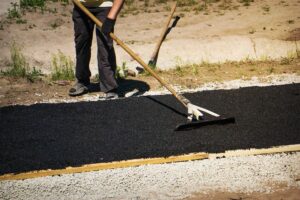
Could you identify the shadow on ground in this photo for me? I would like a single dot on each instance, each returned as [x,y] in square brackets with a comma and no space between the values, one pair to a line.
[125,86]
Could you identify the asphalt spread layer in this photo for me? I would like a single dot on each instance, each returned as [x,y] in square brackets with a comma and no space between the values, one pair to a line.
[55,136]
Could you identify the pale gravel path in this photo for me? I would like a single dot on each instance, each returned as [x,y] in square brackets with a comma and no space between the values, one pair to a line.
[271,80]
[165,181]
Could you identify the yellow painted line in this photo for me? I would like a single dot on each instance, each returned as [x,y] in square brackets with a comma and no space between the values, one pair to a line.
[148,161]
[102,166]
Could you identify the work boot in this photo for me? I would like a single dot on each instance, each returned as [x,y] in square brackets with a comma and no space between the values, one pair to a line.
[78,89]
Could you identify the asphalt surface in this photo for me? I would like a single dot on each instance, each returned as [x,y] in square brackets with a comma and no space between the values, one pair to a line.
[54,136]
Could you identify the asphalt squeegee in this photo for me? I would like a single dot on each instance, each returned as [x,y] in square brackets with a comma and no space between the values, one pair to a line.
[195,113]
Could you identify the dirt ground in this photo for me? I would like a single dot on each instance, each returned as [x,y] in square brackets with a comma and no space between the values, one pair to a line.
[42,34]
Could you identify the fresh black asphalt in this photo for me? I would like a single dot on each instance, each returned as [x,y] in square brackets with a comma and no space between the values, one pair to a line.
[55,136]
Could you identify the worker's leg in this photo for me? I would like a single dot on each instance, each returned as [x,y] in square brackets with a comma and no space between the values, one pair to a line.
[106,56]
[83,29]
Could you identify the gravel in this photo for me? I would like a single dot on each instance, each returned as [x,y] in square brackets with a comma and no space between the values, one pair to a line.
[165,181]
[226,85]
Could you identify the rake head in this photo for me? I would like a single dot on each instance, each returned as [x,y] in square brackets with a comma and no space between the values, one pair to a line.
[195,118]
[194,112]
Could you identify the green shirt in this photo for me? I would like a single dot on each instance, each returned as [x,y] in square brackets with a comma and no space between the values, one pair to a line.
[97,3]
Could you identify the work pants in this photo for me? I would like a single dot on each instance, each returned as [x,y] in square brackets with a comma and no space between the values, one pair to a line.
[83,29]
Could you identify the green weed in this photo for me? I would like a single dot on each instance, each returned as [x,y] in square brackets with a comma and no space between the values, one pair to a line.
[14,11]
[178,70]
[26,4]
[121,71]
[62,67]
[195,69]
[19,67]
[64,2]
[21,21]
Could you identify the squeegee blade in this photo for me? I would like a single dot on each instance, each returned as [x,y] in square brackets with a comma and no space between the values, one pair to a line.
[201,123]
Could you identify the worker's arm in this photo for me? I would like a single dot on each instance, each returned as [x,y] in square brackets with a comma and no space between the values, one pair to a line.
[110,20]
[115,9]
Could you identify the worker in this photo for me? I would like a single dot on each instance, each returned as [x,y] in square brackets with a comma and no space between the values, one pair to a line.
[106,11]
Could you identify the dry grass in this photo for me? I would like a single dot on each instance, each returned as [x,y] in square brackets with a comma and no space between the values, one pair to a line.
[205,7]
[194,75]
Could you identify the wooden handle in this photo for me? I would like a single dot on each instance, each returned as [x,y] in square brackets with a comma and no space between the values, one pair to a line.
[179,97]
[162,36]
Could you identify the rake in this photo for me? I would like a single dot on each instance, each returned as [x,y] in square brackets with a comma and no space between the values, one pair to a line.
[195,115]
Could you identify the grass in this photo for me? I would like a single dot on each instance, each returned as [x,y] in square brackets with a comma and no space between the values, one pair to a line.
[121,72]
[19,67]
[14,11]
[18,9]
[33,4]
[134,7]
[21,21]
[62,67]
[193,75]
[27,4]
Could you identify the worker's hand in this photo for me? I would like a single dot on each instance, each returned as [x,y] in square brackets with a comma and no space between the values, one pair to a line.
[108,26]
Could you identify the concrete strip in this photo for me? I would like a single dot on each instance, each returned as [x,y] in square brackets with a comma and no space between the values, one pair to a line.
[219,49]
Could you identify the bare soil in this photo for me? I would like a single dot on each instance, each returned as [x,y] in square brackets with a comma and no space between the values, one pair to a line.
[43,33]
